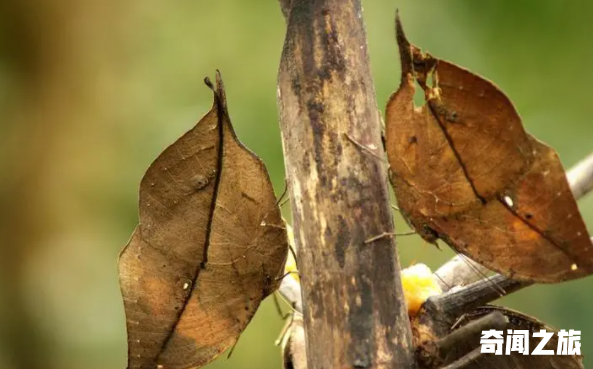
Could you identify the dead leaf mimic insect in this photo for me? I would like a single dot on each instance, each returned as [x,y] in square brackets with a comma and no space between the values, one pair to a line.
[464,170]
[209,247]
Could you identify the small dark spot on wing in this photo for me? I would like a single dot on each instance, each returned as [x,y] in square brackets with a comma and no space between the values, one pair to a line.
[243,194]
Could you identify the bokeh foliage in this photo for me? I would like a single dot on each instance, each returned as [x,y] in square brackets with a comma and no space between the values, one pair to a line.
[91,92]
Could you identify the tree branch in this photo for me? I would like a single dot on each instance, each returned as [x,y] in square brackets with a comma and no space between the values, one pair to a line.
[491,321]
[353,306]
[459,271]
[433,352]
[456,302]
[580,177]
[465,361]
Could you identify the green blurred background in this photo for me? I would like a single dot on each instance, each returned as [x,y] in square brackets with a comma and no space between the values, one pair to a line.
[91,92]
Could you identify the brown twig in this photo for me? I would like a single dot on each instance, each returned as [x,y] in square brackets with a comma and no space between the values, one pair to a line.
[466,360]
[434,352]
[491,321]
[456,302]
[580,177]
[459,271]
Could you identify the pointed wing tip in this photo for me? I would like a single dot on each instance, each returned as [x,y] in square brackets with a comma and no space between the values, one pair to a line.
[402,40]
[219,83]
[218,90]
[405,50]
[219,78]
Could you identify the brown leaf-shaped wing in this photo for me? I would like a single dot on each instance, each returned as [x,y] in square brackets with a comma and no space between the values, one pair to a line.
[427,177]
[479,124]
[533,231]
[515,360]
[464,170]
[209,247]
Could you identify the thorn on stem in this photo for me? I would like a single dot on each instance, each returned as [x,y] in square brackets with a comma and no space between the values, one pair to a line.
[363,147]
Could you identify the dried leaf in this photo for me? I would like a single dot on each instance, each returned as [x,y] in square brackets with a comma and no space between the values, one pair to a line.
[515,360]
[464,170]
[209,248]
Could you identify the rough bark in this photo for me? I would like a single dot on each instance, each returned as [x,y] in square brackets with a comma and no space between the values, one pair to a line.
[353,306]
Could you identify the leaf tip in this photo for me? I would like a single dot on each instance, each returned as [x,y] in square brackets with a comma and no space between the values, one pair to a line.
[405,49]
[218,78]
[220,89]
